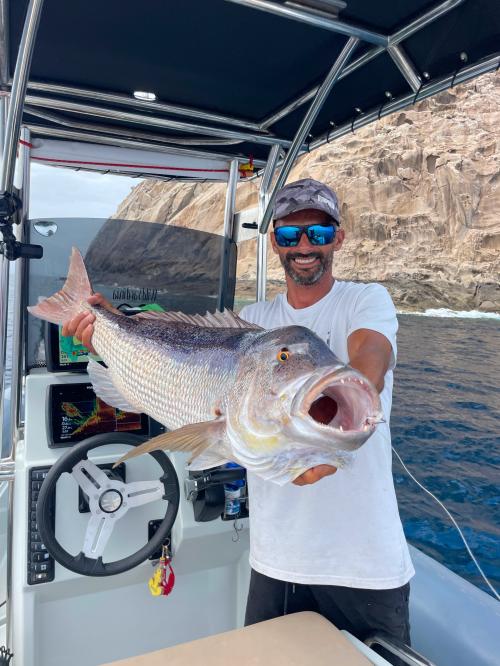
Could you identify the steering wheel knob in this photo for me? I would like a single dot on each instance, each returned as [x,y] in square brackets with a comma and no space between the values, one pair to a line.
[110,501]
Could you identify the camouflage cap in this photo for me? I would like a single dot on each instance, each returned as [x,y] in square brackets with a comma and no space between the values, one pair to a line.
[303,194]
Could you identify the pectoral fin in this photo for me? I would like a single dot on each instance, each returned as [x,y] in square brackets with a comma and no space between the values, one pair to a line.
[104,388]
[195,437]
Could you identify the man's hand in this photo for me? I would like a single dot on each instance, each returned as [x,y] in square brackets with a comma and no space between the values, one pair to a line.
[82,326]
[314,474]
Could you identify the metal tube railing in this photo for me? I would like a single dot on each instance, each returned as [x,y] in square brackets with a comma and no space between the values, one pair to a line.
[132,103]
[267,177]
[228,231]
[146,143]
[18,93]
[18,329]
[153,121]
[400,103]
[416,25]
[315,18]
[306,125]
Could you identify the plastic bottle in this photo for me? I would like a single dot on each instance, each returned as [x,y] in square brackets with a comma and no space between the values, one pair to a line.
[232,492]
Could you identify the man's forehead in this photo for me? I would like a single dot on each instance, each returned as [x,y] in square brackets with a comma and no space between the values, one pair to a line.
[305,216]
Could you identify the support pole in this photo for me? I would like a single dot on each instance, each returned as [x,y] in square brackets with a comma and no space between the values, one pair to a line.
[267,177]
[306,125]
[228,232]
[18,94]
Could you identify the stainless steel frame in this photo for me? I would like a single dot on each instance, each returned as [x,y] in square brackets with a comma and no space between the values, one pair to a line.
[118,131]
[315,18]
[61,133]
[427,90]
[396,38]
[396,647]
[306,125]
[131,102]
[18,92]
[18,329]
[152,121]
[4,42]
[405,66]
[265,184]
[229,210]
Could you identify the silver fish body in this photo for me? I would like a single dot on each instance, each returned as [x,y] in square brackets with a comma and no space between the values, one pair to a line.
[278,402]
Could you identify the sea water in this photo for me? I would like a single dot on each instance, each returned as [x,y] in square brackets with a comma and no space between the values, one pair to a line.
[446,427]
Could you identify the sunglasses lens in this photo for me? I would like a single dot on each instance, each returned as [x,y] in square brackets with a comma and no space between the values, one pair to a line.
[287,236]
[320,235]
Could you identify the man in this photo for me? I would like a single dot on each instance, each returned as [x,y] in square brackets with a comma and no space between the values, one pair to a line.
[332,541]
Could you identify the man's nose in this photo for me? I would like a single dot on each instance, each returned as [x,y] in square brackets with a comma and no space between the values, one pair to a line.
[304,243]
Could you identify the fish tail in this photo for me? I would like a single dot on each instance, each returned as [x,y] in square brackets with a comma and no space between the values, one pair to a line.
[67,302]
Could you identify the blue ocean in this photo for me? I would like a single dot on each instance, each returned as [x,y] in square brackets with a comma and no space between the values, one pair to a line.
[446,427]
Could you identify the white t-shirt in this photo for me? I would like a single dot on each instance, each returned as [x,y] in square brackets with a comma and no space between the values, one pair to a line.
[345,529]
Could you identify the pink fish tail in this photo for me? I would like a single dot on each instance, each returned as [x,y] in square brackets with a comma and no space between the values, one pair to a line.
[67,302]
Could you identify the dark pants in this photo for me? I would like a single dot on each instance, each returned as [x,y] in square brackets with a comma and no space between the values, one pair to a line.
[360,612]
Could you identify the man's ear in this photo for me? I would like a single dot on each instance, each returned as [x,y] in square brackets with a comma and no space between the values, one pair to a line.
[339,239]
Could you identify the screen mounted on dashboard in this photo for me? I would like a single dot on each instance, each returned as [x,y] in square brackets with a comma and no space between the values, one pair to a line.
[65,353]
[75,413]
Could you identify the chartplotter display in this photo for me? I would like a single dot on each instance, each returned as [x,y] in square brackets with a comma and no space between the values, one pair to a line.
[65,353]
[75,413]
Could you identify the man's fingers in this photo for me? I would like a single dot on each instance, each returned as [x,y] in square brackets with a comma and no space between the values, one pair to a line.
[83,326]
[87,338]
[314,474]
[70,327]
[99,299]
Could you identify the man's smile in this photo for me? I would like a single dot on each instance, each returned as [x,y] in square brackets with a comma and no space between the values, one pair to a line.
[305,260]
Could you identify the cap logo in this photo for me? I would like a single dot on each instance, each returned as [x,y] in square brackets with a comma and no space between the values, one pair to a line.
[324,200]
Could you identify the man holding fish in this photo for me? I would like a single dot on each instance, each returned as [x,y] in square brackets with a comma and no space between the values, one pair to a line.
[324,537]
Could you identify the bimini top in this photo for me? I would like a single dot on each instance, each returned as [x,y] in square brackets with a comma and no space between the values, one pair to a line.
[231,78]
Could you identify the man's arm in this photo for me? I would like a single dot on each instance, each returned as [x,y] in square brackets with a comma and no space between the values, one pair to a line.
[370,353]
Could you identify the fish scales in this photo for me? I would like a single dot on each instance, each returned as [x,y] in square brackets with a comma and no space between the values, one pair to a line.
[158,373]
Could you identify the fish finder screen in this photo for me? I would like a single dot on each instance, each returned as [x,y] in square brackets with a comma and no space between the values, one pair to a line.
[75,413]
[64,353]
[71,350]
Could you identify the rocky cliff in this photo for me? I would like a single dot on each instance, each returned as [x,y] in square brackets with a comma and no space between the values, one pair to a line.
[420,195]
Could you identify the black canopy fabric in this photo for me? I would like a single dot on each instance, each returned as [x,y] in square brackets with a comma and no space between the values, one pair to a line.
[230,59]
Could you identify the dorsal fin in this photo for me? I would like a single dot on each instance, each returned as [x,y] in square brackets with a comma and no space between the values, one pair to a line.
[226,319]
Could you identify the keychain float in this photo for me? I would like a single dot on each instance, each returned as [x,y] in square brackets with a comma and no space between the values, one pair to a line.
[162,581]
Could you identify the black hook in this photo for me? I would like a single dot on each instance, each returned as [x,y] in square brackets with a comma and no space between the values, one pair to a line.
[359,112]
[389,98]
[426,77]
[464,59]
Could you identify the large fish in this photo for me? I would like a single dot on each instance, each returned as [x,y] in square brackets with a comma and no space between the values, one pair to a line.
[277,402]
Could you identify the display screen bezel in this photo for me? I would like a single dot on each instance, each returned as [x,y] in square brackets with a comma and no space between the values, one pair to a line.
[57,393]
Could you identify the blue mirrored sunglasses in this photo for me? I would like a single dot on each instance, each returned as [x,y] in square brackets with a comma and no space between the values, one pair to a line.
[317,234]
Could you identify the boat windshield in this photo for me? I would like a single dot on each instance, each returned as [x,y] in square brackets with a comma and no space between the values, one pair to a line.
[133,263]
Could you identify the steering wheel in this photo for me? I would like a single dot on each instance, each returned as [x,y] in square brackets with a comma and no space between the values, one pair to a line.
[109,500]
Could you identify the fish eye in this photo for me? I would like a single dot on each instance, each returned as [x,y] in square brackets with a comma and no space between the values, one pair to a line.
[283,355]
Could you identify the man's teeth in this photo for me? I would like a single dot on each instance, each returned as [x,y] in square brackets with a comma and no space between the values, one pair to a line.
[305,260]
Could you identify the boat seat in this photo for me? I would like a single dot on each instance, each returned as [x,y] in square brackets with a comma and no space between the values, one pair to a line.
[291,640]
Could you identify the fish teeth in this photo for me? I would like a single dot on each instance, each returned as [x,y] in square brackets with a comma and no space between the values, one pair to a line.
[341,428]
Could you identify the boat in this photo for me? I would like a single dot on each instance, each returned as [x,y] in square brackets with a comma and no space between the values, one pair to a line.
[219,91]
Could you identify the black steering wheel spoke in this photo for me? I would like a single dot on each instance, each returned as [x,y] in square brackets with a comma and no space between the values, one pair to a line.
[109,500]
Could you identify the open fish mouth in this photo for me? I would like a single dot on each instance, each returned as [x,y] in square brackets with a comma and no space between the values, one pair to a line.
[343,401]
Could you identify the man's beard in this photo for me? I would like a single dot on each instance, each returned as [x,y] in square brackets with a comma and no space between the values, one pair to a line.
[313,275]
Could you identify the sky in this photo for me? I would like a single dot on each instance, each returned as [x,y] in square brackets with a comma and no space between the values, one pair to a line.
[57,192]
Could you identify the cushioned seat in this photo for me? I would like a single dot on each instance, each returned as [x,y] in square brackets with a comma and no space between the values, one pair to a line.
[298,639]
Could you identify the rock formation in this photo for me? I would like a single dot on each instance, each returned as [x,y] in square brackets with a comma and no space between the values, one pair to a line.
[420,194]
